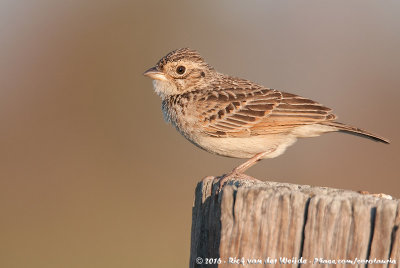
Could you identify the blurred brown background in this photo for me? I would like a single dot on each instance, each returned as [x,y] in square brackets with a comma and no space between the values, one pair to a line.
[91,176]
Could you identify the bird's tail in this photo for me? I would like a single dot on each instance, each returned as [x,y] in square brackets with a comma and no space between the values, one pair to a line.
[355,131]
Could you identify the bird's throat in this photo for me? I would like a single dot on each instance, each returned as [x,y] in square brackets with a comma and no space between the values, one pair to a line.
[164,88]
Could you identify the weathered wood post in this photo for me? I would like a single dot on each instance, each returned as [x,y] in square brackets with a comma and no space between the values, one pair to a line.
[269,224]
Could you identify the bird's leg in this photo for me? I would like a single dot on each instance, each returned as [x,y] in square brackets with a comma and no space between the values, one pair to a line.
[249,163]
[243,167]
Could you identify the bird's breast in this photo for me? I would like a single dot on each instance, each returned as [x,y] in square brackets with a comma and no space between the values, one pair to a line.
[176,113]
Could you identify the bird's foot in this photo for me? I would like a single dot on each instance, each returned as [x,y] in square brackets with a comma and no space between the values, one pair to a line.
[238,172]
[233,175]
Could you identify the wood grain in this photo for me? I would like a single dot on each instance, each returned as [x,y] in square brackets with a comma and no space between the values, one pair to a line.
[268,223]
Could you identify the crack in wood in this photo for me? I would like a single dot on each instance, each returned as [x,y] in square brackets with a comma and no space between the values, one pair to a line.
[303,235]
[371,235]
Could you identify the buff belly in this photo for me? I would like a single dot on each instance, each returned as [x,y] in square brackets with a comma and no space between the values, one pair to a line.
[247,147]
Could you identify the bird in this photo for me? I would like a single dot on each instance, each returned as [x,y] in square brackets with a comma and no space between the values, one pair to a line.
[235,117]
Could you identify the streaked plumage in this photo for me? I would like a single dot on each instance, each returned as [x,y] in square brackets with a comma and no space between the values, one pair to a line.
[235,117]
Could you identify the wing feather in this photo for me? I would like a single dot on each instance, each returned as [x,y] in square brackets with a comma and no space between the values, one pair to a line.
[239,112]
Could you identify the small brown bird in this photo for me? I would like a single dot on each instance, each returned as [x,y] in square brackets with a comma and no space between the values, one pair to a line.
[235,117]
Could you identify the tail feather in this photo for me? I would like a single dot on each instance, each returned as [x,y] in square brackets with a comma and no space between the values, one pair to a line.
[355,131]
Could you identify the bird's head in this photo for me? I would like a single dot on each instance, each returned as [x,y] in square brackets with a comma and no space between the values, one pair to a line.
[182,70]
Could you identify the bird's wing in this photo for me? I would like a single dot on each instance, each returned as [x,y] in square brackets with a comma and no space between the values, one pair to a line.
[257,111]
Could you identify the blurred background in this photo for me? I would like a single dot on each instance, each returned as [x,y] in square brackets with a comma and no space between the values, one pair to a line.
[91,176]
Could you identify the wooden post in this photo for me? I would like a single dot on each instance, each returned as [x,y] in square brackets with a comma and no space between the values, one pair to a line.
[269,224]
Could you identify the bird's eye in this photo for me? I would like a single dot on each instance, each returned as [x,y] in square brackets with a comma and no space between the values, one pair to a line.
[180,69]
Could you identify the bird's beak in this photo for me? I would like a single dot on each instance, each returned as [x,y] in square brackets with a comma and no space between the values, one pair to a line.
[153,73]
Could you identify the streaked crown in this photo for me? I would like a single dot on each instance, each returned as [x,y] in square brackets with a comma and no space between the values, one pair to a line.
[186,54]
